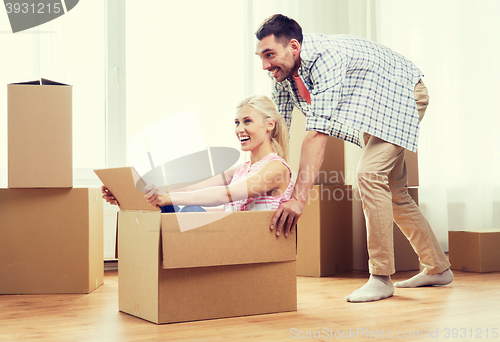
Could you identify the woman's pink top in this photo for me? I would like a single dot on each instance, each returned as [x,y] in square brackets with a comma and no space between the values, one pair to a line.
[261,202]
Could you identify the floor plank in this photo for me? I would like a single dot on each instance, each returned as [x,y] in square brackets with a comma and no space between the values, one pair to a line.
[470,306]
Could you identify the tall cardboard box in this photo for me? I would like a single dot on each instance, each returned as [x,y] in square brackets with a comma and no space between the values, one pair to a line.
[324,232]
[333,168]
[474,251]
[51,241]
[39,115]
[411,159]
[225,265]
[405,258]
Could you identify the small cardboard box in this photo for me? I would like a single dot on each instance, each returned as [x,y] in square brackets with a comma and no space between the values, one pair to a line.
[51,241]
[224,265]
[324,232]
[39,134]
[405,258]
[333,167]
[474,251]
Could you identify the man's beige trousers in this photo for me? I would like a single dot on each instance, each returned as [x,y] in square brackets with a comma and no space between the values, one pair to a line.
[382,181]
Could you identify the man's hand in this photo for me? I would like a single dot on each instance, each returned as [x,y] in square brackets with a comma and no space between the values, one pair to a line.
[313,150]
[286,216]
[108,196]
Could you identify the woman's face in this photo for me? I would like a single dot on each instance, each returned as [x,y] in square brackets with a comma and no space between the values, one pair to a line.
[251,128]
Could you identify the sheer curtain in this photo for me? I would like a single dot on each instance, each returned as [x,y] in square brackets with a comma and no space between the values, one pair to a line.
[455,43]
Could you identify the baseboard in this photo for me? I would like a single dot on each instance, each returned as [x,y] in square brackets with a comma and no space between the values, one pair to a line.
[111,265]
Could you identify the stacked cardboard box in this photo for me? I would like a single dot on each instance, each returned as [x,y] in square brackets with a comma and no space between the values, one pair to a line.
[51,234]
[339,169]
[324,231]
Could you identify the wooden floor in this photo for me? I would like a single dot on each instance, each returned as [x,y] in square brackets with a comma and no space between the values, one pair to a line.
[471,306]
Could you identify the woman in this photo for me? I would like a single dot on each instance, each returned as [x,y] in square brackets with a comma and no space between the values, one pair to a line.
[260,184]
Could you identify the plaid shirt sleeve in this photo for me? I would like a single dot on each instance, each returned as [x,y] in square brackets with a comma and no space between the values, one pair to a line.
[327,75]
[359,85]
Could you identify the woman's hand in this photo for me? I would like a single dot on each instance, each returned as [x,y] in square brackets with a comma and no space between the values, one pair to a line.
[108,196]
[155,198]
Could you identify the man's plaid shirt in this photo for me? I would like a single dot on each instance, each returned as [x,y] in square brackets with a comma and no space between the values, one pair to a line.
[355,85]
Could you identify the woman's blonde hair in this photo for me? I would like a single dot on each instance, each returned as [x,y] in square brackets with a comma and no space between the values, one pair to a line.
[266,107]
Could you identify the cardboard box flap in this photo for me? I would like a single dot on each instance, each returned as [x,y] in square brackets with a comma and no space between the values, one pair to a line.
[49,82]
[237,238]
[126,185]
[36,82]
[42,81]
[480,231]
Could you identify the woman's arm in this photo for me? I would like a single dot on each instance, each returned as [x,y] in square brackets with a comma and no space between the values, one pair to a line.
[217,180]
[273,178]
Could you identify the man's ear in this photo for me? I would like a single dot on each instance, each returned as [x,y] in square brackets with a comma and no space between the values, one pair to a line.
[295,46]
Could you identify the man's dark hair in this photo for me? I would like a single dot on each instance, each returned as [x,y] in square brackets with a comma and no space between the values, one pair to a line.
[282,27]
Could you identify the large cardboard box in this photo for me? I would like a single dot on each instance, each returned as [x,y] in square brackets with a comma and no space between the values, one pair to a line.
[39,135]
[474,251]
[51,241]
[223,265]
[223,269]
[333,168]
[405,258]
[324,232]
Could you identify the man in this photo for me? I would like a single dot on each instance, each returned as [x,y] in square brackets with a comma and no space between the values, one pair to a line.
[346,85]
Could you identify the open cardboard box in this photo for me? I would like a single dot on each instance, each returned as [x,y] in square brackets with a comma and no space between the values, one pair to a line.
[224,265]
